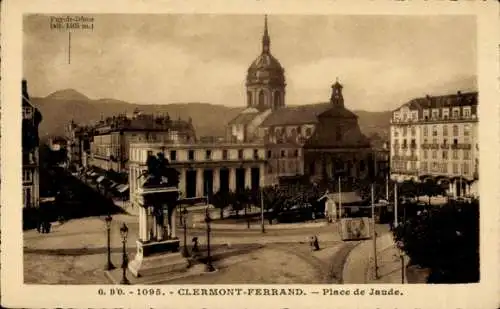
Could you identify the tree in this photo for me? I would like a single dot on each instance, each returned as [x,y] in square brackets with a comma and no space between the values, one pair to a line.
[220,200]
[444,239]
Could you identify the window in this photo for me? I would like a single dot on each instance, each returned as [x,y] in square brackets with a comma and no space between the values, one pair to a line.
[224,154]
[208,154]
[467,130]
[296,153]
[27,112]
[426,114]
[426,131]
[455,168]
[466,112]
[173,155]
[405,131]
[434,154]
[261,99]
[446,113]
[434,131]
[466,154]
[445,142]
[434,141]
[249,98]
[455,154]
[456,113]
[256,154]
[283,154]
[445,130]
[413,165]
[425,154]
[308,132]
[27,175]
[444,168]
[455,130]
[424,166]
[455,141]
[240,154]
[413,144]
[445,155]
[269,153]
[413,131]
[277,99]
[27,197]
[435,114]
[191,155]
[466,168]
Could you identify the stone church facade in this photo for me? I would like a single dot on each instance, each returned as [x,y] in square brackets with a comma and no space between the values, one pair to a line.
[320,140]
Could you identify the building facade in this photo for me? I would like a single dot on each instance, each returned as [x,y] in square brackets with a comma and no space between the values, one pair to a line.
[204,168]
[110,139]
[30,150]
[286,131]
[437,137]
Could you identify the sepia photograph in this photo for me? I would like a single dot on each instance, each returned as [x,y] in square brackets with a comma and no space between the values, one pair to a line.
[170,146]
[175,149]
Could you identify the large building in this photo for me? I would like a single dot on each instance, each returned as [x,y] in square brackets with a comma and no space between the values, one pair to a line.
[204,168]
[437,137]
[105,145]
[303,139]
[30,144]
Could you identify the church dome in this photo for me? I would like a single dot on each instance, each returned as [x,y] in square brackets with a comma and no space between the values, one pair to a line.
[266,69]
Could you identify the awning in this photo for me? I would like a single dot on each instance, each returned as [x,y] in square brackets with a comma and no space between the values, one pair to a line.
[121,188]
[100,179]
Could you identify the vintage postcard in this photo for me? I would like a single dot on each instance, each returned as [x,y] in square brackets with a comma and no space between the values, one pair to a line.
[250,154]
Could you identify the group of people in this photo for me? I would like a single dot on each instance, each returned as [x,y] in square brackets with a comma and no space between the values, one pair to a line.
[43,226]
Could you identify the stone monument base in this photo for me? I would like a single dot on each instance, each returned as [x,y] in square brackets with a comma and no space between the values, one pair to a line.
[157,257]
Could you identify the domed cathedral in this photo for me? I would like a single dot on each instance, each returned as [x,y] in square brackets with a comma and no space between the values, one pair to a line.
[265,88]
[265,78]
[338,147]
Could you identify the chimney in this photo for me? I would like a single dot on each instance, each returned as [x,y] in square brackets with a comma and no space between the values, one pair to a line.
[25,87]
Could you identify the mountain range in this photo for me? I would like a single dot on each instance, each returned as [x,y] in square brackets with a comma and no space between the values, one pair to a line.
[60,107]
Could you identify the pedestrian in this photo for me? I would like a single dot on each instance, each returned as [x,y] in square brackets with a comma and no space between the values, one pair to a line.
[195,244]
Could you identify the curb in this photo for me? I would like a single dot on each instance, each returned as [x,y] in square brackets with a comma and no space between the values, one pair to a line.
[274,227]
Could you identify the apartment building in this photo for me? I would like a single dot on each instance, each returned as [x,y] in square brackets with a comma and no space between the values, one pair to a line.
[437,137]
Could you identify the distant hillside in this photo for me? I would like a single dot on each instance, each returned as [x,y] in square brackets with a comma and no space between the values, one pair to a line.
[59,108]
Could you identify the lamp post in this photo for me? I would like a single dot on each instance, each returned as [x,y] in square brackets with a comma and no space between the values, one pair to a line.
[185,251]
[124,233]
[209,267]
[108,220]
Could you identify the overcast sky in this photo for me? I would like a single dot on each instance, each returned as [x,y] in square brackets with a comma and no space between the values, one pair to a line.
[380,60]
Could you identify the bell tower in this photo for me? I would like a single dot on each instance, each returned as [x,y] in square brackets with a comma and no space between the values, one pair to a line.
[337,98]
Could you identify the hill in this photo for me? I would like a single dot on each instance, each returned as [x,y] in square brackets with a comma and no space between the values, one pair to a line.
[59,108]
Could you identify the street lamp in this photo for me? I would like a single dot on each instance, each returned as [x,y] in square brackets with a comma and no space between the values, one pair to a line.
[123,233]
[209,267]
[185,251]
[108,220]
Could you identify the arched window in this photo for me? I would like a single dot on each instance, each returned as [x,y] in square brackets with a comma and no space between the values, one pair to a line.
[249,98]
[262,101]
[277,99]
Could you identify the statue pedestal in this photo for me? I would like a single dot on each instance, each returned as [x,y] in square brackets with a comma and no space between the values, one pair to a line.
[156,257]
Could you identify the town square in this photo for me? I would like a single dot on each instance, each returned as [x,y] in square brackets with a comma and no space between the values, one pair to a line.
[312,163]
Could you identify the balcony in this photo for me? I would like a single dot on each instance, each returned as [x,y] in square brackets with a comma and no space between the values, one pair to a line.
[461,146]
[445,146]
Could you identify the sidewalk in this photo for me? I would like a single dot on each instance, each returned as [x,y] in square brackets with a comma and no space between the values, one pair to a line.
[358,268]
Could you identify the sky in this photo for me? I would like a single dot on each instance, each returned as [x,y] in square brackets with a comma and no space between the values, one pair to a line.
[159,59]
